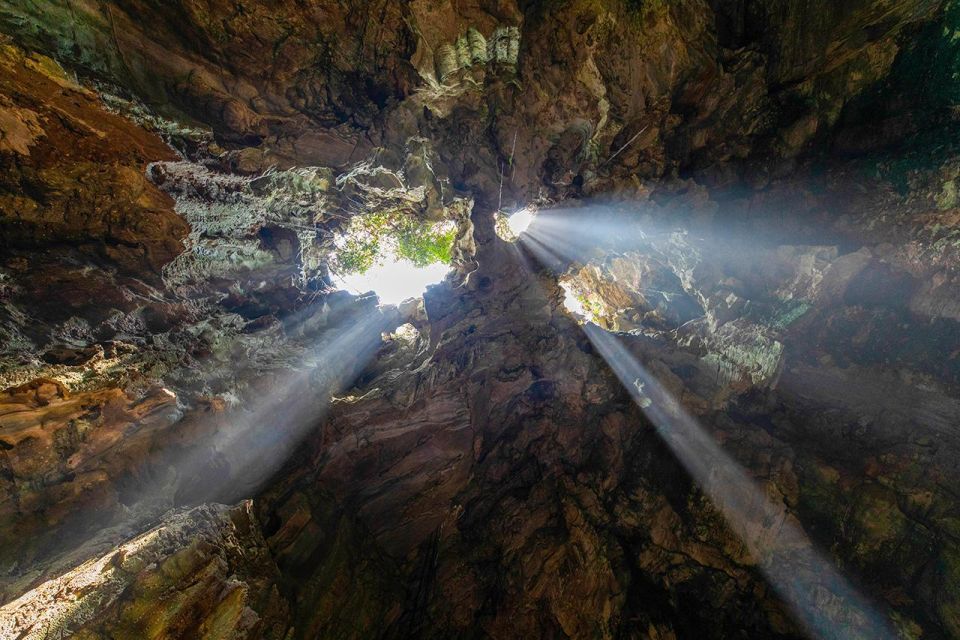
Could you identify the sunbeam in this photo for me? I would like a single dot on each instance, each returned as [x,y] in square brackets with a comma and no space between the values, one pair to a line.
[597,320]
[262,434]
[806,580]
[231,454]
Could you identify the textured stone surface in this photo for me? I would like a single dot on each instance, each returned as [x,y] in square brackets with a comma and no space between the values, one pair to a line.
[73,172]
[658,85]
[202,573]
[170,335]
[63,458]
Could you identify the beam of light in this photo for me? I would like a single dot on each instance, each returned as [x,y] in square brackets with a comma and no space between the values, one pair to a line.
[582,233]
[558,241]
[543,252]
[395,279]
[203,462]
[823,601]
[568,246]
[264,432]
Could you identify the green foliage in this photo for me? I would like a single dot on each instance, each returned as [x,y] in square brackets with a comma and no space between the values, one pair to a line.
[358,255]
[423,245]
[595,308]
[373,238]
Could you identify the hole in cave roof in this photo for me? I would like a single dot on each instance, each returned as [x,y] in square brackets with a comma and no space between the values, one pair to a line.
[394,280]
[510,227]
[393,254]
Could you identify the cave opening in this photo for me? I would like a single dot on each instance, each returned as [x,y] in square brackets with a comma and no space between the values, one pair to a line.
[394,279]
[510,227]
[393,254]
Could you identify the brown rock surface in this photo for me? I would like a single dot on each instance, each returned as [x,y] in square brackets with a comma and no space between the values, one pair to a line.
[63,458]
[202,573]
[172,337]
[84,184]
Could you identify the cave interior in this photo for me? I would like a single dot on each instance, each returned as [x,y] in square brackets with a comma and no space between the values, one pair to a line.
[402,319]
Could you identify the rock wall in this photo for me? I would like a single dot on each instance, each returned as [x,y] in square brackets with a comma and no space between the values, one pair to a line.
[631,88]
[203,573]
[471,465]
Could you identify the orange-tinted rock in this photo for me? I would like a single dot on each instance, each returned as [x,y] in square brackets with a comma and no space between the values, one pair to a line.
[62,456]
[493,478]
[74,173]
[202,573]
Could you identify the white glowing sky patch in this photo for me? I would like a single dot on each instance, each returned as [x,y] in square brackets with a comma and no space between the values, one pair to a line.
[395,280]
[519,221]
[572,303]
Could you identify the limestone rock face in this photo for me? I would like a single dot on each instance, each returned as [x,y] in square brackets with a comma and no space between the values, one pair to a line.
[743,423]
[560,95]
[202,573]
[72,172]
[64,456]
[511,487]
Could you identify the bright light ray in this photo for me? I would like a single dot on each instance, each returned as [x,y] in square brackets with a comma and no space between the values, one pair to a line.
[557,240]
[261,438]
[570,247]
[582,233]
[823,601]
[525,261]
[545,254]
[395,280]
[539,248]
[232,463]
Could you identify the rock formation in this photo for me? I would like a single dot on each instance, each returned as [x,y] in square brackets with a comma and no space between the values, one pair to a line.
[712,391]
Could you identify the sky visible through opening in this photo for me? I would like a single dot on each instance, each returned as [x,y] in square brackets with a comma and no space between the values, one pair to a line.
[395,279]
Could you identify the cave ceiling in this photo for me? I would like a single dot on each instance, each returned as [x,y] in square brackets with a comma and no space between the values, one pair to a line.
[687,364]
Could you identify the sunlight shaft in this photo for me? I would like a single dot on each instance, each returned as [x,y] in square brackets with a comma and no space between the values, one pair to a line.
[824,602]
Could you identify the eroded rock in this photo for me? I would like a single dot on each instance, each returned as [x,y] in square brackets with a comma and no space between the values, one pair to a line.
[481,471]
[200,573]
